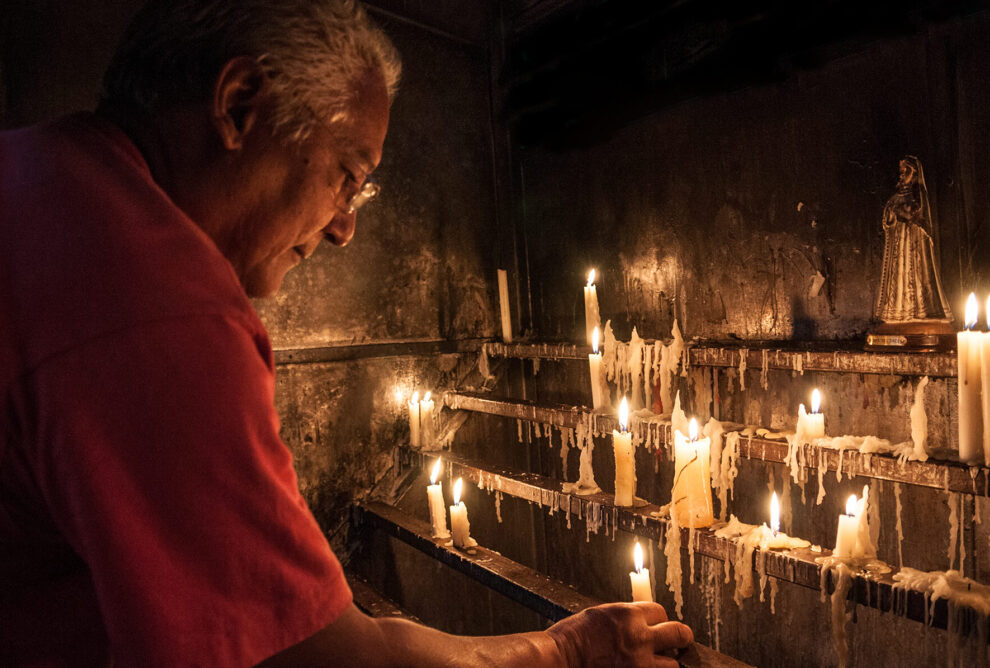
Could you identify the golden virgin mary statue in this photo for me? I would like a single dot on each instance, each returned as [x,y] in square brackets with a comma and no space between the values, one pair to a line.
[911,304]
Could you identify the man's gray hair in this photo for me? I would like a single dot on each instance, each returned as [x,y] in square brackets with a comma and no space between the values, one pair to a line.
[316,53]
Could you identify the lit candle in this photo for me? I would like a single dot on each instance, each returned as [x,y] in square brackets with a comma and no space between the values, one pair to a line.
[438,512]
[640,578]
[592,318]
[810,426]
[970,408]
[625,460]
[691,495]
[503,302]
[459,525]
[595,365]
[845,538]
[414,420]
[985,378]
[771,538]
[427,429]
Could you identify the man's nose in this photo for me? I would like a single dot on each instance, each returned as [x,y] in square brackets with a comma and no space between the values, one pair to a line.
[340,230]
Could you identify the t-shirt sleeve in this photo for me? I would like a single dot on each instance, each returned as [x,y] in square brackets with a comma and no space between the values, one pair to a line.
[159,457]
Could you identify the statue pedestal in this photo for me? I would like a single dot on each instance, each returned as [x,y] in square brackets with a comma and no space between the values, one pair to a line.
[912,336]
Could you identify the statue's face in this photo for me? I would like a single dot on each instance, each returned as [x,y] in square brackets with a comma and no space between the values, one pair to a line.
[906,172]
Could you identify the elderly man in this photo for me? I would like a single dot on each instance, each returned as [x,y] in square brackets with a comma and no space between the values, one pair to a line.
[149,514]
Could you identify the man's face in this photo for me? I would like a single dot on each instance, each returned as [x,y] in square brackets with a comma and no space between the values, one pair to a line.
[300,193]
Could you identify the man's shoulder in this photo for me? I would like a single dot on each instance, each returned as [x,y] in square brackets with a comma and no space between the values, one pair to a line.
[94,245]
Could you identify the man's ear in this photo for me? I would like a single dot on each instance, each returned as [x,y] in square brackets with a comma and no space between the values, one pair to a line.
[240,91]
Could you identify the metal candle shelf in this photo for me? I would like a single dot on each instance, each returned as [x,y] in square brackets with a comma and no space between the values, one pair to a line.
[835,358]
[948,475]
[794,566]
[552,599]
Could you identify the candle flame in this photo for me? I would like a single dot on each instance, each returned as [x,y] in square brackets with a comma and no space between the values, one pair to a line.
[774,513]
[624,415]
[426,397]
[594,340]
[591,278]
[415,397]
[988,311]
[816,401]
[972,310]
[458,485]
[851,505]
[638,557]
[693,430]
[435,473]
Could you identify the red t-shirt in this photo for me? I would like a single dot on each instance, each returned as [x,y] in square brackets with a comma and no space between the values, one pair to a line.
[148,510]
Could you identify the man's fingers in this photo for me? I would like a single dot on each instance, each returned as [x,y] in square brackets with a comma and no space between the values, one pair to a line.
[669,635]
[665,662]
[653,612]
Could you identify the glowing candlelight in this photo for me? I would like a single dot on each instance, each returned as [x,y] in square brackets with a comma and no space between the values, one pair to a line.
[459,524]
[811,426]
[640,578]
[970,345]
[845,538]
[438,512]
[625,460]
[691,496]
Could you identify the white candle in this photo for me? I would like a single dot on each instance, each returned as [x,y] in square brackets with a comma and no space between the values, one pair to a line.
[503,302]
[592,318]
[625,460]
[815,421]
[845,538]
[595,366]
[774,514]
[970,408]
[427,430]
[691,496]
[459,525]
[985,387]
[640,578]
[414,420]
[438,512]
[771,538]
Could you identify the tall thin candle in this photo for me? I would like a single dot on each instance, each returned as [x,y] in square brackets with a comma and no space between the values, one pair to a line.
[970,382]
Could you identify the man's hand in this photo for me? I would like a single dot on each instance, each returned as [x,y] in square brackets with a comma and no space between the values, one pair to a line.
[620,634]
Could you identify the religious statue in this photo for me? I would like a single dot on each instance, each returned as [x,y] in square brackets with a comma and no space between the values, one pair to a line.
[911,305]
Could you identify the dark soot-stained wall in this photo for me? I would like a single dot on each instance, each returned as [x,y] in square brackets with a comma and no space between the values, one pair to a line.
[720,210]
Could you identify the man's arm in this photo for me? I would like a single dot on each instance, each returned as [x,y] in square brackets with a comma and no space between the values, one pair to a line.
[626,634]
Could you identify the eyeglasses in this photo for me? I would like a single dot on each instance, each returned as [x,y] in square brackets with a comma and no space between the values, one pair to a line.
[368,191]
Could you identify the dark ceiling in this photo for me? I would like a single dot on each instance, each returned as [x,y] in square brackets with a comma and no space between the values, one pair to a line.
[575,74]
